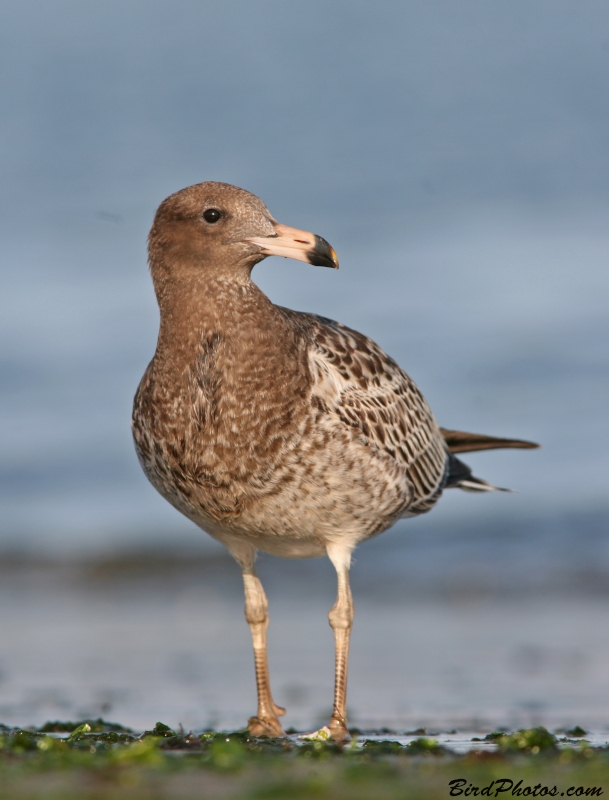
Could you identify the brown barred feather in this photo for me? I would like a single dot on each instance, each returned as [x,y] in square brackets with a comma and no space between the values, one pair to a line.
[380,400]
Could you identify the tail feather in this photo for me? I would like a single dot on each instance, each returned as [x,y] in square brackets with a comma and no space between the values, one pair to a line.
[459,476]
[474,484]
[462,442]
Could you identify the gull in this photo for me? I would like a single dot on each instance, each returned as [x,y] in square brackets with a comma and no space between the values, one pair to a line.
[275,430]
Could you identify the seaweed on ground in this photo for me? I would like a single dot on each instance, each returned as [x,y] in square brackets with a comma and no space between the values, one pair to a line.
[97,759]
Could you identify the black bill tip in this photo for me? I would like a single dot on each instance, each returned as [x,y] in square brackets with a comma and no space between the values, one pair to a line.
[322,254]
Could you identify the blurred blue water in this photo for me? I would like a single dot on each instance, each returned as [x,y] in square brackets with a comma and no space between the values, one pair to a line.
[455,158]
[519,349]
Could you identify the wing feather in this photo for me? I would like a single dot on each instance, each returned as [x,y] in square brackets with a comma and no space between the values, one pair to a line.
[369,392]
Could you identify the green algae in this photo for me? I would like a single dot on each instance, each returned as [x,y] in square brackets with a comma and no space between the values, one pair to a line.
[576,733]
[105,760]
[529,741]
[96,725]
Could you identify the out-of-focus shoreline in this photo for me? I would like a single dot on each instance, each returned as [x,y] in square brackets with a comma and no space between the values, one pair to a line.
[556,555]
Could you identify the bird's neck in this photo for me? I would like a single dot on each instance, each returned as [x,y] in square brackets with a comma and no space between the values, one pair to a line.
[232,309]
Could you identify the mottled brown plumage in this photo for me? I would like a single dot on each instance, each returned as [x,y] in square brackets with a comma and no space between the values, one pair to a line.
[272,429]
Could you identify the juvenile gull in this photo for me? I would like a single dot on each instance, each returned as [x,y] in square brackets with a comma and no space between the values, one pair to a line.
[275,430]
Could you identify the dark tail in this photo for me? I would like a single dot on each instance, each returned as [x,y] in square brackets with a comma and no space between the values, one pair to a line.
[461,442]
[459,474]
[460,477]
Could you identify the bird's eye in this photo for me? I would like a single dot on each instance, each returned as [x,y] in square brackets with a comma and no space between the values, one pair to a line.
[211,215]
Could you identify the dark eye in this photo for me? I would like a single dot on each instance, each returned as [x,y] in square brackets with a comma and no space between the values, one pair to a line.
[211,215]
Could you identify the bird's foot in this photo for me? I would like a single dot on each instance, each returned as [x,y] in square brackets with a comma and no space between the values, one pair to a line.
[338,729]
[278,710]
[265,726]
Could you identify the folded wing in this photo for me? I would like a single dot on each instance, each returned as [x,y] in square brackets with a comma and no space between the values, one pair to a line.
[372,395]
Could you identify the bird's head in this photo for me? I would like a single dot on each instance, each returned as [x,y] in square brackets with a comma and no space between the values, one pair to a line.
[218,227]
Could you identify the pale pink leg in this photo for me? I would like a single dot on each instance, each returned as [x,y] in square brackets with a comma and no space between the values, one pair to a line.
[341,622]
[266,722]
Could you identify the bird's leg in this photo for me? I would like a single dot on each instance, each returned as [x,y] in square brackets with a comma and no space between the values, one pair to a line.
[266,722]
[341,621]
